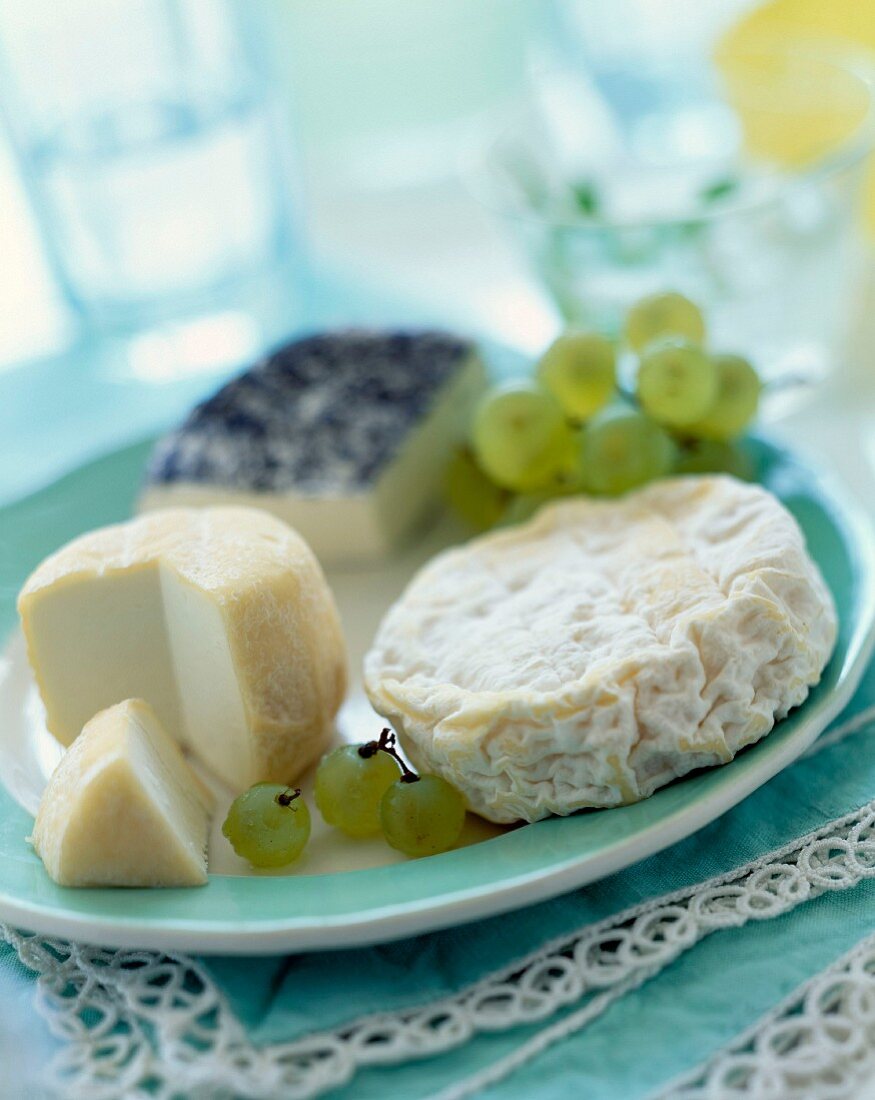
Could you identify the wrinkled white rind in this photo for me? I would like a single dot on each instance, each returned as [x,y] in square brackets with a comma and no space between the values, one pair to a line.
[605,648]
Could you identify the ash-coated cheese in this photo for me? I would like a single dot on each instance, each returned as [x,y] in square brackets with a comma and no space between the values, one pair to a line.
[123,808]
[343,435]
[220,618]
[605,648]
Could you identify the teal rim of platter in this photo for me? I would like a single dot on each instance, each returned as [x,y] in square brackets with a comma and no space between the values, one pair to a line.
[259,914]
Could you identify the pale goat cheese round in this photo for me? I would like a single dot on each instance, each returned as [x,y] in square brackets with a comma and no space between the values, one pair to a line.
[220,618]
[604,648]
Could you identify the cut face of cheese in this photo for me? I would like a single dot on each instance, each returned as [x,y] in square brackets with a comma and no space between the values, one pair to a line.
[220,619]
[123,808]
[343,435]
[605,648]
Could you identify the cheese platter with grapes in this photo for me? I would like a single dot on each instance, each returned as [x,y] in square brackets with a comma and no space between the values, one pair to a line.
[395,631]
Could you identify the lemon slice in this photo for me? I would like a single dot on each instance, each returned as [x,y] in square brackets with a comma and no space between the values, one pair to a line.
[836,20]
[782,67]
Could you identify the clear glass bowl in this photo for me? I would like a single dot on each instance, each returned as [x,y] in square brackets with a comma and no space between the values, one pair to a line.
[742,193]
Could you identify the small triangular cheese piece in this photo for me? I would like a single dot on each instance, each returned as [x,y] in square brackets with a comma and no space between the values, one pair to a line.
[123,808]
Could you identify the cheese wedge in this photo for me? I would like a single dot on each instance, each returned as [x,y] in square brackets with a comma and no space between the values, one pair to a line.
[123,808]
[220,618]
[345,435]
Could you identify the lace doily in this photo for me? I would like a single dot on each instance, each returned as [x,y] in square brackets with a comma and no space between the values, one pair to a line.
[819,1042]
[141,1024]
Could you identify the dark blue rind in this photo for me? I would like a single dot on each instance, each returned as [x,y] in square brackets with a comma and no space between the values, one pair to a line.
[325,414]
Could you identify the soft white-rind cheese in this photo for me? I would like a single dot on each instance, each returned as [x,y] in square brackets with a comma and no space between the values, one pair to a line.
[605,648]
[220,618]
[123,808]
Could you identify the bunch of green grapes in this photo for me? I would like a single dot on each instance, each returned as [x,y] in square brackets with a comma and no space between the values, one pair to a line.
[367,789]
[572,428]
[363,790]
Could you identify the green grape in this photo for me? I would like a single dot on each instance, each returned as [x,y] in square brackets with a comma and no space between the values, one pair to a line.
[708,456]
[269,825]
[525,505]
[666,314]
[422,815]
[350,783]
[579,369]
[520,437]
[622,448]
[738,395]
[677,383]
[470,493]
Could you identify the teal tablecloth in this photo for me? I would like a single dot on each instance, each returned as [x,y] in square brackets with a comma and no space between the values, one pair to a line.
[700,1001]
[708,994]
[714,990]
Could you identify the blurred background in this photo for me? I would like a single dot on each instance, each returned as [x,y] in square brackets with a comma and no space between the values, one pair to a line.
[184,183]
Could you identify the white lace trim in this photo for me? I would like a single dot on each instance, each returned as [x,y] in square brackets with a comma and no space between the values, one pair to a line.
[142,1024]
[818,1042]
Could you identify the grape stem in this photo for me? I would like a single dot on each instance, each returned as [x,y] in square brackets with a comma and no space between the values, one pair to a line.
[288,796]
[386,744]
